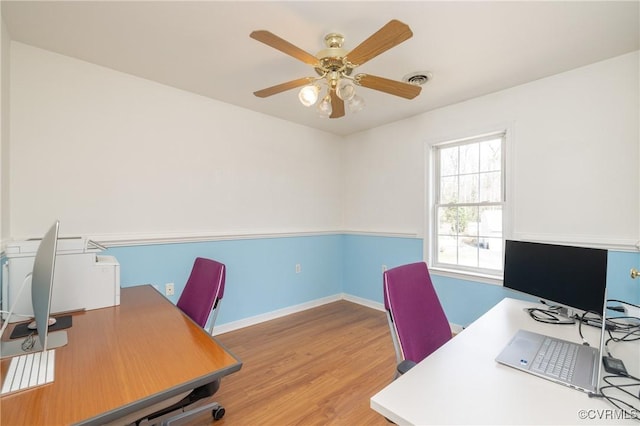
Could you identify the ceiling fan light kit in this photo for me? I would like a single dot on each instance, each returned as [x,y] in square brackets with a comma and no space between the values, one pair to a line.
[308,95]
[346,90]
[356,104]
[334,67]
[325,109]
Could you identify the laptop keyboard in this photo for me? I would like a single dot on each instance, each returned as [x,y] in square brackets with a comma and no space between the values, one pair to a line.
[29,370]
[556,358]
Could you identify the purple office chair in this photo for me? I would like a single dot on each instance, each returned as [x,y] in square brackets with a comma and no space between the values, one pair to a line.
[203,292]
[417,321]
[201,295]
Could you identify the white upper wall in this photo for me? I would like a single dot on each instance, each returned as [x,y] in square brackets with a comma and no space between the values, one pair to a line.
[115,156]
[5,42]
[573,167]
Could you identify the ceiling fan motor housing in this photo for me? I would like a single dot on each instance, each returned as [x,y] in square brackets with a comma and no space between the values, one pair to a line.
[332,59]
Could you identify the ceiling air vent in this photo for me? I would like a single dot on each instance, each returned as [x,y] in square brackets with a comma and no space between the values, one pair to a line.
[417,78]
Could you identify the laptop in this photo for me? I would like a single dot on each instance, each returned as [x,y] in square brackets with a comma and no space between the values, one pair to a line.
[568,363]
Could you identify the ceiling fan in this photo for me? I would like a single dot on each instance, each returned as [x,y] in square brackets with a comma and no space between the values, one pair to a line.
[335,66]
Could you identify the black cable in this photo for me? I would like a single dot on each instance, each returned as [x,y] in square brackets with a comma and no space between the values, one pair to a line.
[623,302]
[628,332]
[617,321]
[548,316]
[631,411]
[631,333]
[28,343]
[583,319]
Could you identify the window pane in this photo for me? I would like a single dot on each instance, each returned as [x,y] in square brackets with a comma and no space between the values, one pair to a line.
[468,254]
[490,222]
[490,253]
[469,188]
[491,155]
[447,220]
[447,250]
[449,190]
[449,161]
[490,187]
[468,222]
[469,158]
[468,231]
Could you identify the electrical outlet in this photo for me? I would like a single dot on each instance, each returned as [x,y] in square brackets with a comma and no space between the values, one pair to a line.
[298,268]
[168,289]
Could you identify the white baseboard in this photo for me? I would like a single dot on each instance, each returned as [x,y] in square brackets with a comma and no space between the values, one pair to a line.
[455,328]
[246,322]
[236,325]
[364,302]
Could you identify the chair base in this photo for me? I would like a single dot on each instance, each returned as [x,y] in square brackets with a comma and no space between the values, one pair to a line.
[217,412]
[184,409]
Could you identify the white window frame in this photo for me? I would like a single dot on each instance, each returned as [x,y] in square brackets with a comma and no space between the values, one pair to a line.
[432,181]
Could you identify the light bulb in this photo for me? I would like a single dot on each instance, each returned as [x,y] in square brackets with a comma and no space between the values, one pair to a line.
[346,90]
[308,95]
[356,103]
[324,107]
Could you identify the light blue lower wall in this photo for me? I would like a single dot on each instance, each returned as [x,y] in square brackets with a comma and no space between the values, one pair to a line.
[261,275]
[364,257]
[463,301]
[620,285]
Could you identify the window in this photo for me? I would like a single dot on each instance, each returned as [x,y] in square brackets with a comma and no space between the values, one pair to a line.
[469,204]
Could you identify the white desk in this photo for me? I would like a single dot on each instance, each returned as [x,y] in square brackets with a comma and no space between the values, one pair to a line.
[461,383]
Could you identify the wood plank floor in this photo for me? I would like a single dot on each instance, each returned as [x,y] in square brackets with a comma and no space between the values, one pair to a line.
[317,367]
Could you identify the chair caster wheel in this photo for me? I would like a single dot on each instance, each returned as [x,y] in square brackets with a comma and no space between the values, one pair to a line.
[217,413]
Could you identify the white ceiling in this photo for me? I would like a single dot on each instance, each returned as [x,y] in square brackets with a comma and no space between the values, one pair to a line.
[471,48]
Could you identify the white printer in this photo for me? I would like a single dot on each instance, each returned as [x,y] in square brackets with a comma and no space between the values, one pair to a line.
[83,279]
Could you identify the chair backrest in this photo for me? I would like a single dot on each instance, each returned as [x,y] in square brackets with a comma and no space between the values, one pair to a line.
[415,313]
[203,291]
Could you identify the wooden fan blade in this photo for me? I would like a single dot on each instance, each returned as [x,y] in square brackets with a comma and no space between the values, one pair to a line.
[337,106]
[392,87]
[284,46]
[390,35]
[283,87]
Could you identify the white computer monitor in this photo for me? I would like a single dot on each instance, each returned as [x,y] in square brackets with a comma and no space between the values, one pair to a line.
[41,290]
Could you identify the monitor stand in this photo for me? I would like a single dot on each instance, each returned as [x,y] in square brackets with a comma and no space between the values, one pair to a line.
[11,348]
[552,315]
[563,312]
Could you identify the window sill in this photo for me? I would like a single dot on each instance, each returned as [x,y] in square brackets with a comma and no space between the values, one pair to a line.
[467,275]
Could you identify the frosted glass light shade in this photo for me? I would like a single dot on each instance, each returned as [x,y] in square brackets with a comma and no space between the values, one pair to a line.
[346,90]
[308,95]
[356,103]
[324,107]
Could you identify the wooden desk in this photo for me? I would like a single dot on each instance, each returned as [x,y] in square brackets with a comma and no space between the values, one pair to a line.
[461,383]
[120,360]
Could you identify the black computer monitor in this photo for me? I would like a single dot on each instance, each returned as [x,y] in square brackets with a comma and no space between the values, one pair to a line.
[573,277]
